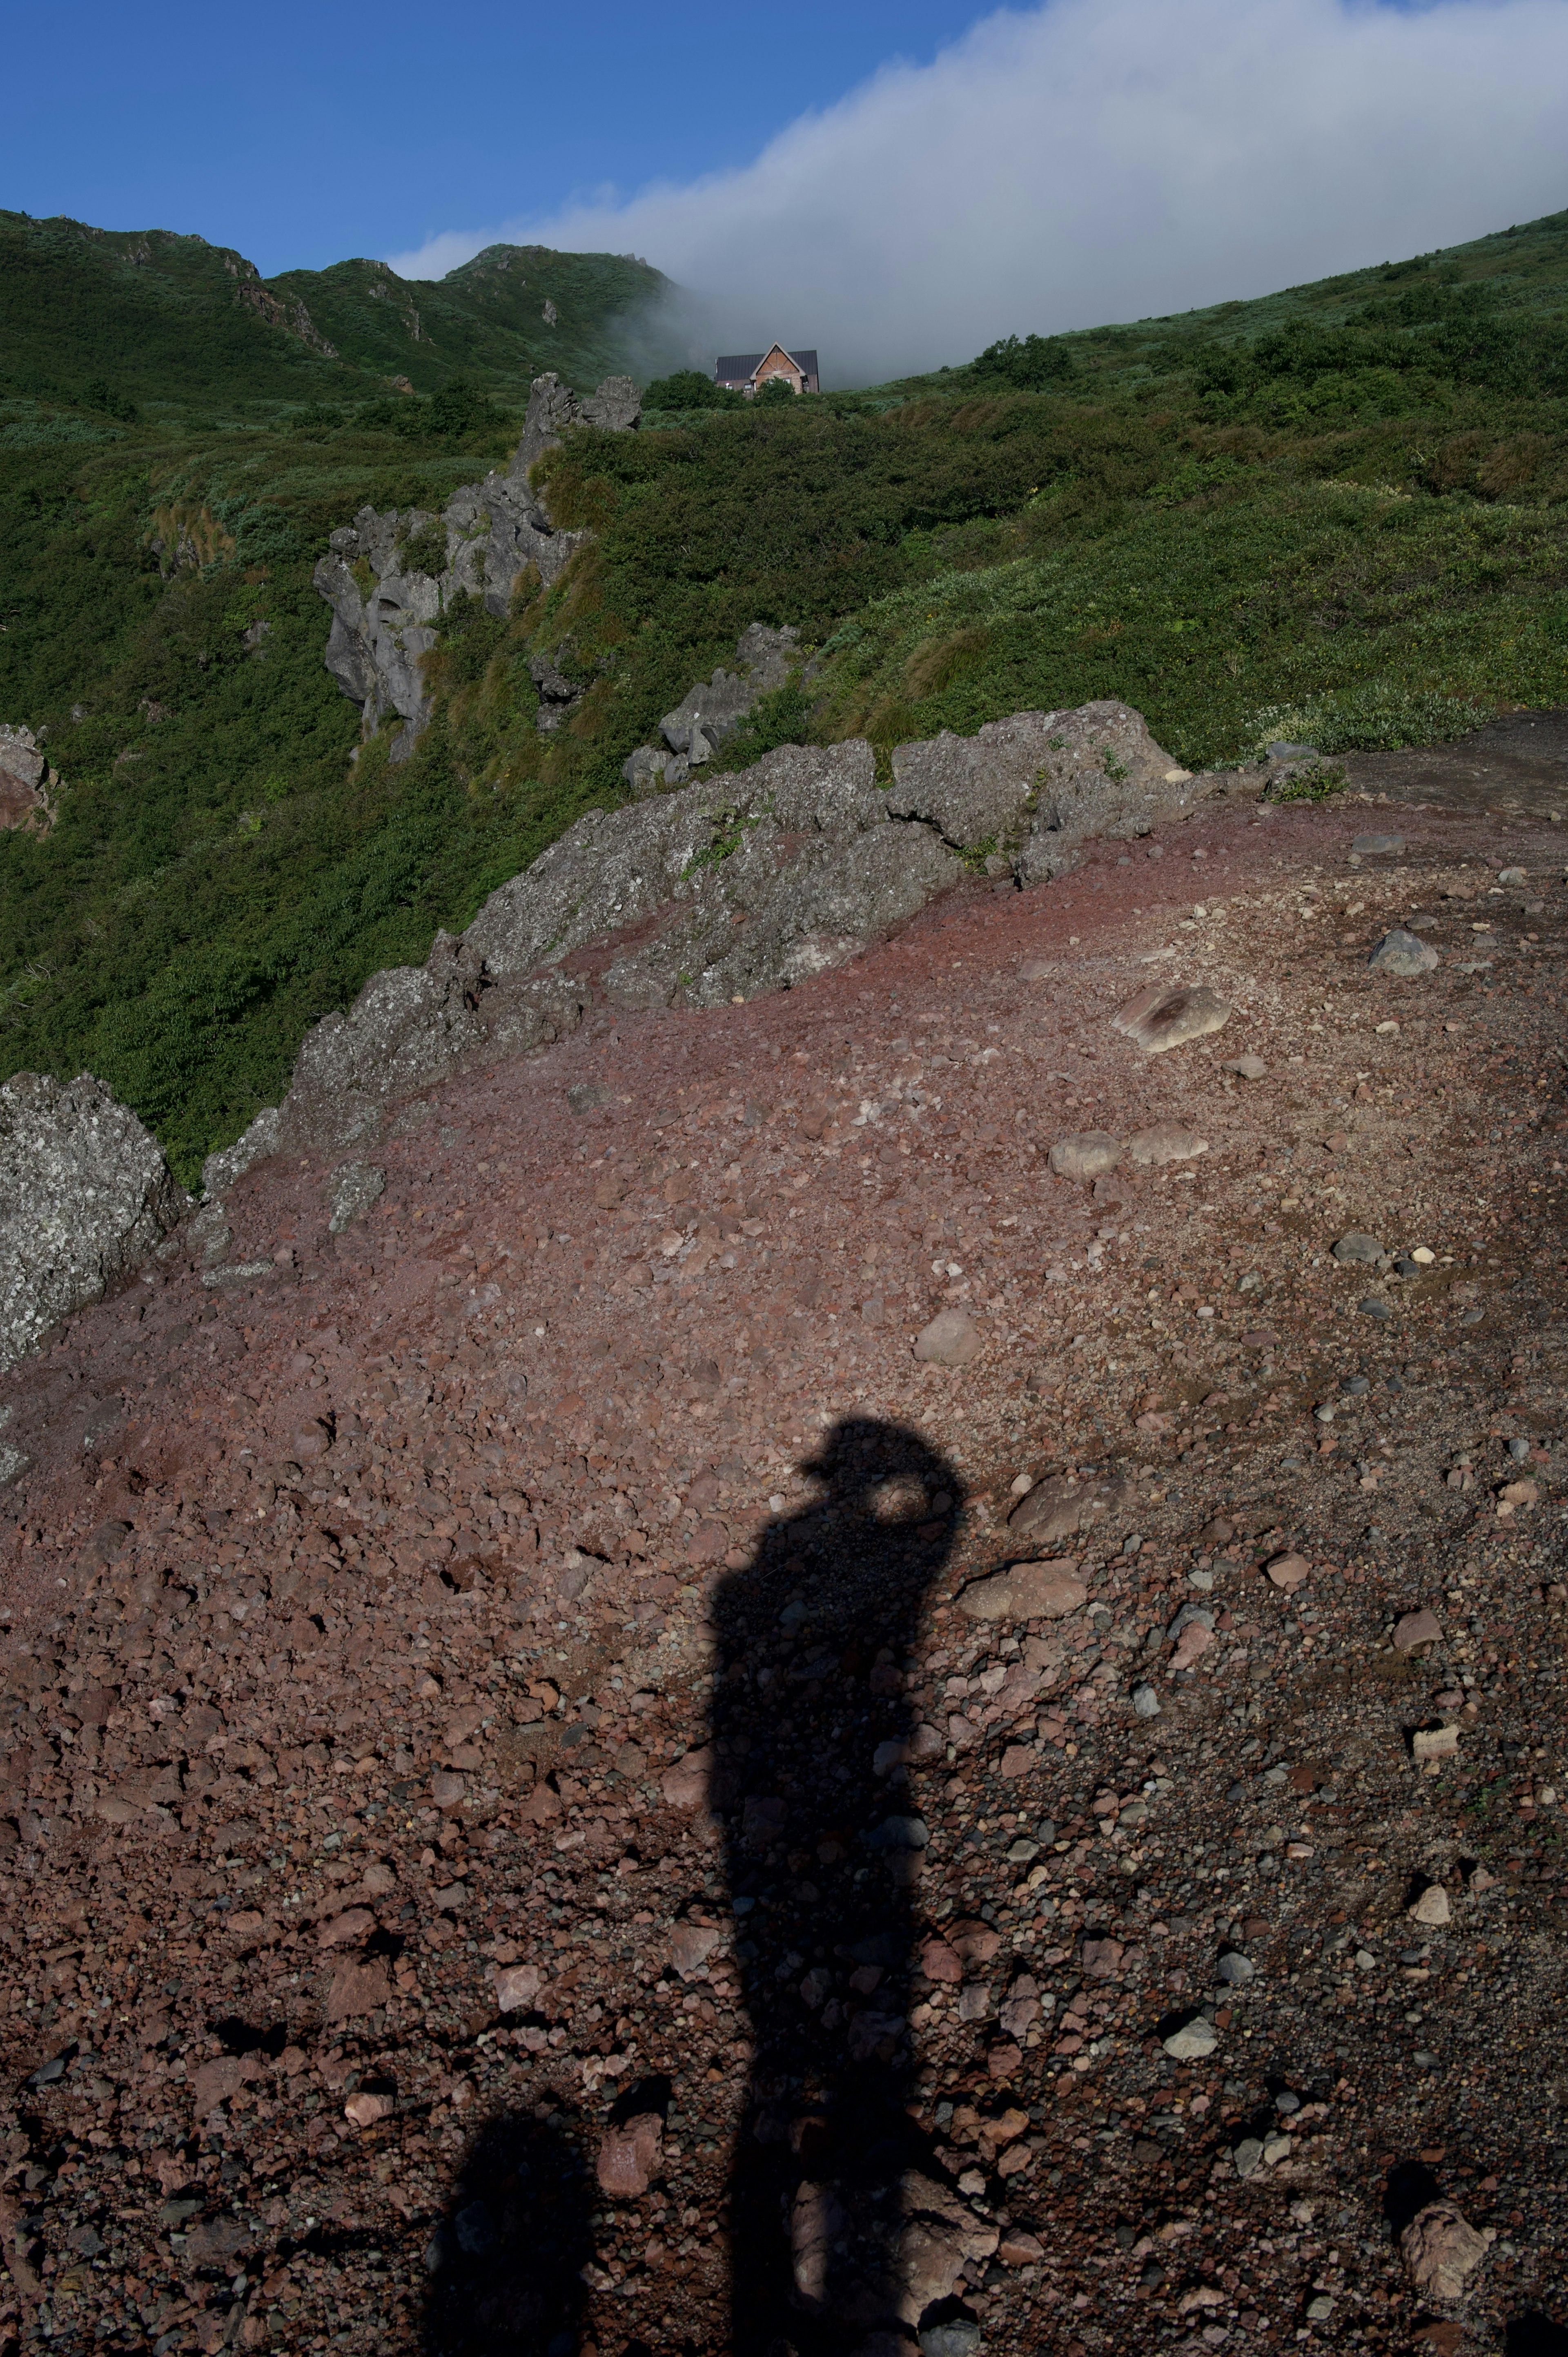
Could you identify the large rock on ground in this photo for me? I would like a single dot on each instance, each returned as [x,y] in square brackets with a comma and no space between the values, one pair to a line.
[85,1198]
[714,709]
[1036,785]
[799,847]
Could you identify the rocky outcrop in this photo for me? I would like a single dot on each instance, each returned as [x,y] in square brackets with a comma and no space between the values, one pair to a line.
[713,710]
[85,1198]
[28,787]
[554,409]
[1029,789]
[387,592]
[721,890]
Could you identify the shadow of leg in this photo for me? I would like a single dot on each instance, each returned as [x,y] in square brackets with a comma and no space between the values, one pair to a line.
[505,2264]
[841,2225]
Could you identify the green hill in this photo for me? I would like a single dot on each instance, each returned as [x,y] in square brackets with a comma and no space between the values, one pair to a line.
[1339,511]
[108,320]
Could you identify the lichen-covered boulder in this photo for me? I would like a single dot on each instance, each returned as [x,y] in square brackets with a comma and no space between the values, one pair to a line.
[1037,784]
[85,1198]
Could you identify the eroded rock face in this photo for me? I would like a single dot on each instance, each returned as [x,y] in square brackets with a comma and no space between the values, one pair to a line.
[386,605]
[85,1198]
[713,710]
[409,1024]
[27,784]
[1036,785]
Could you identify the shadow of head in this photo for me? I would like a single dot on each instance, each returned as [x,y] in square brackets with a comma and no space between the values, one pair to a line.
[504,2266]
[876,1534]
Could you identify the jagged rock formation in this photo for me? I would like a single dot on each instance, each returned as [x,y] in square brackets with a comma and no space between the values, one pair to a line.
[28,787]
[1027,789]
[386,602]
[85,1198]
[713,710]
[721,889]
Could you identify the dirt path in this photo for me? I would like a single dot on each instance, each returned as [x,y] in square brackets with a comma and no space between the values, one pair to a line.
[519,1836]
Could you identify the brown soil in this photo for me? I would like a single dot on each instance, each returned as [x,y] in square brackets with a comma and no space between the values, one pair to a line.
[366,1617]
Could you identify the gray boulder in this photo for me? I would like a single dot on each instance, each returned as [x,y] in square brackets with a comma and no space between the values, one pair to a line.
[1403,954]
[85,1198]
[799,847]
[28,787]
[715,707]
[1036,785]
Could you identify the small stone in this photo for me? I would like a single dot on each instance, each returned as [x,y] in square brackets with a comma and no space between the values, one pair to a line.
[517,1987]
[1442,2250]
[958,2339]
[1518,1450]
[1247,2158]
[1514,876]
[357,1987]
[448,1787]
[1275,2149]
[1434,1743]
[1289,1572]
[1423,1257]
[952,1339]
[1417,1629]
[1518,1494]
[1025,1591]
[629,2155]
[1368,846]
[1168,1014]
[1350,1249]
[356,1923]
[1247,1067]
[1194,1639]
[1146,1702]
[1017,2249]
[1403,954]
[1165,1143]
[1016,1760]
[1320,2307]
[1236,1969]
[365,2109]
[1086,1155]
[1194,2041]
[1102,1958]
[355,1187]
[1373,1308]
[691,1945]
[686,1784]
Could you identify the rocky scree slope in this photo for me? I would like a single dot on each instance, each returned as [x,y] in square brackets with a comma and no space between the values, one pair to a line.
[382,1916]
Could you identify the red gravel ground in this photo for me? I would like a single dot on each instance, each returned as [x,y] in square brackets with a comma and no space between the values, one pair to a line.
[484,1682]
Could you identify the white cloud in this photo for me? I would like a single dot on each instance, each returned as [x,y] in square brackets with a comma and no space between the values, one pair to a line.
[1102,159]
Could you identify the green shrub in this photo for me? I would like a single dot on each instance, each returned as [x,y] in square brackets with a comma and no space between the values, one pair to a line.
[690,389]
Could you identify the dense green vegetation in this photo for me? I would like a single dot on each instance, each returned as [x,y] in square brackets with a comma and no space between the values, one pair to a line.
[122,321]
[1337,514]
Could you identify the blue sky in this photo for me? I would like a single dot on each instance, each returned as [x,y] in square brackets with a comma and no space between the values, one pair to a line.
[895,182]
[301,135]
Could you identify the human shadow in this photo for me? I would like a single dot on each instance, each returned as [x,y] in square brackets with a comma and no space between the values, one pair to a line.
[505,2265]
[810,1733]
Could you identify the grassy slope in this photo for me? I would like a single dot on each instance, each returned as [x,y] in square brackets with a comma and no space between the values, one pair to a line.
[169,323]
[1287,516]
